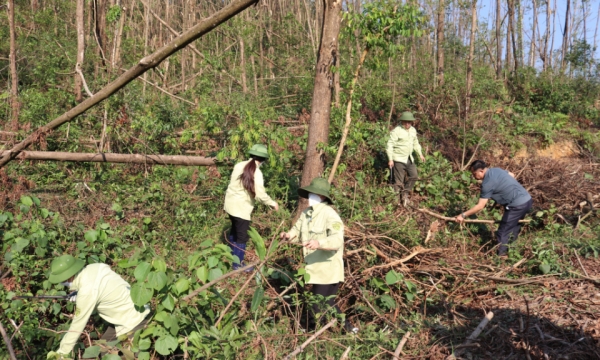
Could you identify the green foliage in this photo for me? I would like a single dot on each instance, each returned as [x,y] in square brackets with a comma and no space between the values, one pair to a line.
[382,22]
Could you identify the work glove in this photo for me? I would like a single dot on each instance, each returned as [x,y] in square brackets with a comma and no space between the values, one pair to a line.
[72,297]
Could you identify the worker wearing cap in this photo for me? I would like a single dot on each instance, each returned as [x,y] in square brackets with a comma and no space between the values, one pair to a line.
[245,188]
[321,233]
[98,288]
[400,147]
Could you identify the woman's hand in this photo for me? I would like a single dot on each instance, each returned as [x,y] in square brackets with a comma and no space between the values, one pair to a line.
[276,207]
[312,245]
[284,235]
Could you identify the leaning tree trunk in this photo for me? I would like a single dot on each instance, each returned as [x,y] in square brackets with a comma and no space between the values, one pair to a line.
[80,48]
[141,67]
[318,130]
[14,91]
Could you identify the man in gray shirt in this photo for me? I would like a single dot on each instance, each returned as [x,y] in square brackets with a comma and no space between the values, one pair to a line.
[500,186]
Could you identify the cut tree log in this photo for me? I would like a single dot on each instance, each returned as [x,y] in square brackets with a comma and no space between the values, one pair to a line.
[115,158]
[145,64]
[471,221]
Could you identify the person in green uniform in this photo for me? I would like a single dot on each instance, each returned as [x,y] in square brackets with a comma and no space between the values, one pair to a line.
[400,147]
[98,288]
[321,233]
[245,188]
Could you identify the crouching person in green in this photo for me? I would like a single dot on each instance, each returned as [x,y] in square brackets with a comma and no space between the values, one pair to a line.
[98,288]
[321,232]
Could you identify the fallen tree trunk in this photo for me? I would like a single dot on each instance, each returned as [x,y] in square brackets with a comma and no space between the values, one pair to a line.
[141,67]
[115,158]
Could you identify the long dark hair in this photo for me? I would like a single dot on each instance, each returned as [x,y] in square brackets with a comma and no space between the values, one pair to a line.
[247,177]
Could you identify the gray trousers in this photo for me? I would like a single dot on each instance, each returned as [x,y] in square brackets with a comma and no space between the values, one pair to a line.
[405,176]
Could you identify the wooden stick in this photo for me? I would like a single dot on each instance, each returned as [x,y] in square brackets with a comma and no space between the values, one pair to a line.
[477,221]
[401,345]
[11,351]
[233,299]
[300,348]
[580,264]
[220,278]
[488,317]
[417,250]
[345,354]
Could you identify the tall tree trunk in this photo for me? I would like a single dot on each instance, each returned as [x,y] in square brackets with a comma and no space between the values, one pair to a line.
[116,55]
[470,59]
[79,15]
[519,10]
[596,31]
[565,44]
[101,28]
[545,58]
[511,24]
[318,130]
[146,40]
[14,91]
[552,37]
[145,64]
[532,49]
[441,14]
[509,55]
[243,65]
[498,39]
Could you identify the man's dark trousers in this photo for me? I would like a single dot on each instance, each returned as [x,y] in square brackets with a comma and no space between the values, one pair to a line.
[405,172]
[509,225]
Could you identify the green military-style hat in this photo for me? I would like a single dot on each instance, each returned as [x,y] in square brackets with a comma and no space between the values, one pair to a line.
[407,116]
[317,186]
[63,267]
[259,150]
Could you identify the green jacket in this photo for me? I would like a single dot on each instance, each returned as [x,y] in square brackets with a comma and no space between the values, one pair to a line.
[402,143]
[238,202]
[99,288]
[320,222]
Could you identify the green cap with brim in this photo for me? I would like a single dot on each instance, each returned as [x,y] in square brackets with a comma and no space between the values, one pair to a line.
[259,150]
[317,186]
[63,267]
[407,116]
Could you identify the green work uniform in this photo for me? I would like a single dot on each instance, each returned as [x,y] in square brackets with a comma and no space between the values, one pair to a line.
[321,222]
[99,288]
[402,143]
[238,202]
